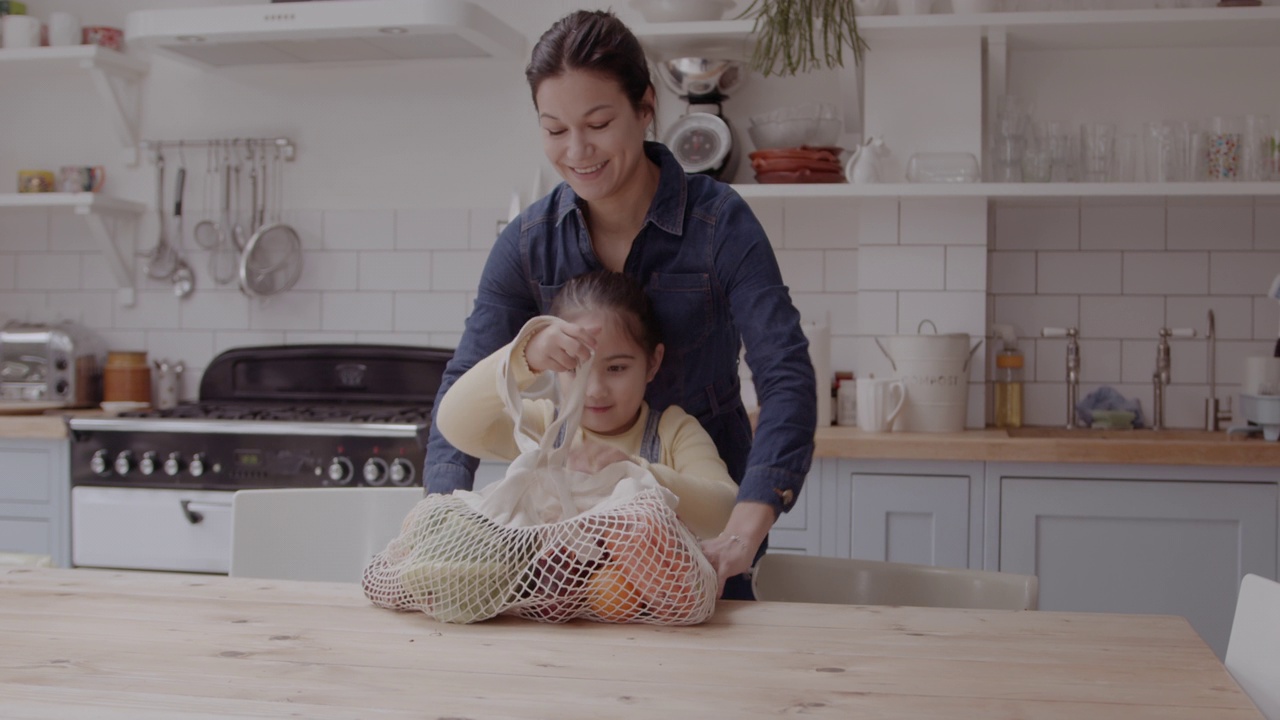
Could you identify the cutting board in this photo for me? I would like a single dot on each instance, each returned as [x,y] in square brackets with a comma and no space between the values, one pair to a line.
[27,408]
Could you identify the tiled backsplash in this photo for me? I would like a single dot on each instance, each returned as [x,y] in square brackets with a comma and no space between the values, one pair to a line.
[1117,270]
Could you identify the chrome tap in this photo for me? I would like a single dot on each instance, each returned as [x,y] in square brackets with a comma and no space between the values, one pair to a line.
[1073,368]
[1214,415]
[1161,378]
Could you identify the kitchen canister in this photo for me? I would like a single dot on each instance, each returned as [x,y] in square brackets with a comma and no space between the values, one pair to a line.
[126,377]
[935,370]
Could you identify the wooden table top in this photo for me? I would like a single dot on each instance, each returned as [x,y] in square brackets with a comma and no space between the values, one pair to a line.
[150,646]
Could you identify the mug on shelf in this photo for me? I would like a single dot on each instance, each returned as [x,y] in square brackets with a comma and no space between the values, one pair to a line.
[107,37]
[879,402]
[35,181]
[20,31]
[64,29]
[76,178]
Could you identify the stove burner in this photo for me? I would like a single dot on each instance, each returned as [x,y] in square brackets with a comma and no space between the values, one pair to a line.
[400,415]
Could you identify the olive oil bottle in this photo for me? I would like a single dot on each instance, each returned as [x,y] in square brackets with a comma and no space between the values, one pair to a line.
[1008,381]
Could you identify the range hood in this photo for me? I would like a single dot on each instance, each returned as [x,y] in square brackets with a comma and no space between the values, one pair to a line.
[329,31]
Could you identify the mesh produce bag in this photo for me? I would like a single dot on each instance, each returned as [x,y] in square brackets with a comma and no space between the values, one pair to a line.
[548,543]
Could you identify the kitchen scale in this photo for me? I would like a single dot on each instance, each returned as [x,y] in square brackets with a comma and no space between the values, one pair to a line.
[702,139]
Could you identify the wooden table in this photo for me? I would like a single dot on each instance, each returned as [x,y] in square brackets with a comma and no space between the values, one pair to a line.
[142,646]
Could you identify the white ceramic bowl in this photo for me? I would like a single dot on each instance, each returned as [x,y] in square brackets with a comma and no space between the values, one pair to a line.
[681,10]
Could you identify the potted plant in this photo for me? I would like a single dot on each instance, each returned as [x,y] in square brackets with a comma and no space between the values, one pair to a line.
[797,36]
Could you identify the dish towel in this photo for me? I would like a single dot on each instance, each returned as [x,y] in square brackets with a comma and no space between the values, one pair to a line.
[1107,398]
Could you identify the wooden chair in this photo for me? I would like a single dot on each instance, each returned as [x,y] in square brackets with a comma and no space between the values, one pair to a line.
[8,559]
[842,581]
[1253,652]
[314,533]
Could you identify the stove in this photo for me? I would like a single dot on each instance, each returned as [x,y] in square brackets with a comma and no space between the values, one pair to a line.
[151,489]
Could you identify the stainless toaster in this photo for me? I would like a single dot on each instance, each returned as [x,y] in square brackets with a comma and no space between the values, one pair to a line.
[44,363]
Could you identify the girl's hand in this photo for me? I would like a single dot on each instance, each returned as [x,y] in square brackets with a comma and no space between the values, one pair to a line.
[591,456]
[560,347]
[733,551]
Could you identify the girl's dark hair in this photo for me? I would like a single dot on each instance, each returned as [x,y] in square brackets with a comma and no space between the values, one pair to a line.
[606,290]
[595,41]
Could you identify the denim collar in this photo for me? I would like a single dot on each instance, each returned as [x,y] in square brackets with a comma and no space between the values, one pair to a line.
[666,211]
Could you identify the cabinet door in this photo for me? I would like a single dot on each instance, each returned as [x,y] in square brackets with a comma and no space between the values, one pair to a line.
[921,519]
[1167,548]
[35,507]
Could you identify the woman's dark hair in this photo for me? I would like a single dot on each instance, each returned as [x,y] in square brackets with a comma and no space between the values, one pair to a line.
[595,41]
[607,290]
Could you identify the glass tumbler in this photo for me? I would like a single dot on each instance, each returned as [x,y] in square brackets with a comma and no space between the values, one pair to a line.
[1161,152]
[1255,149]
[1223,149]
[1097,151]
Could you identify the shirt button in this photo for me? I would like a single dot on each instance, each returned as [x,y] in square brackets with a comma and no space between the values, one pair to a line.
[787,496]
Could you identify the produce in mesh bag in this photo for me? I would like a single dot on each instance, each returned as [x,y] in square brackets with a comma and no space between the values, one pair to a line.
[548,543]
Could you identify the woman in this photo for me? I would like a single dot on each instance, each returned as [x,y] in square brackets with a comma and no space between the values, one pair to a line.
[626,205]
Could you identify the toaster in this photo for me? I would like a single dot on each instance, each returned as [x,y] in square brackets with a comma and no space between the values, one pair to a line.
[47,364]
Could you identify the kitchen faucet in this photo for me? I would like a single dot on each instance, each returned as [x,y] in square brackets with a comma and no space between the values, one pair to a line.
[1214,415]
[1073,368]
[1162,376]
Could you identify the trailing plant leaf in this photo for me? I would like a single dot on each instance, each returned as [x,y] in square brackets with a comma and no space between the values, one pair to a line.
[790,34]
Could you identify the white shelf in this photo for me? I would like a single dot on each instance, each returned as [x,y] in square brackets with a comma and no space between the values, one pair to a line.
[97,209]
[999,191]
[1079,29]
[115,76]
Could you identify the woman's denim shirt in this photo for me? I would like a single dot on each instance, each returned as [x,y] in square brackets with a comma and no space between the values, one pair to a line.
[706,263]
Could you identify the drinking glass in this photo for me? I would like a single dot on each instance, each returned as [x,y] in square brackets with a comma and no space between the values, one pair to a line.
[1162,156]
[1255,148]
[1037,156]
[1223,149]
[1097,150]
[1124,167]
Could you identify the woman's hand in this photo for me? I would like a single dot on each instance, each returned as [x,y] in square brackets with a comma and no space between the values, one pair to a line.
[560,347]
[592,456]
[732,552]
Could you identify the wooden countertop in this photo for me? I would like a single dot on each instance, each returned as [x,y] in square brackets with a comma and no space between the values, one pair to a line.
[106,644]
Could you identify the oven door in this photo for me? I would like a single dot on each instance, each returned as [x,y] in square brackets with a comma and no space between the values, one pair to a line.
[151,529]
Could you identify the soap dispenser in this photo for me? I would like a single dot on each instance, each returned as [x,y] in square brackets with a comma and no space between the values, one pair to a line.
[1008,379]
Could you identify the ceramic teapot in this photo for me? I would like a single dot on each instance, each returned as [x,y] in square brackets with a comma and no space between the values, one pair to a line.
[863,165]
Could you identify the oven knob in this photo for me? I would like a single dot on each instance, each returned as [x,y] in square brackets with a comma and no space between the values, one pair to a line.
[401,472]
[98,463]
[124,462]
[173,464]
[196,467]
[375,471]
[148,463]
[340,470]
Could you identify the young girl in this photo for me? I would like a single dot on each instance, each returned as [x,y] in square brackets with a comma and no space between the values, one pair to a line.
[609,312]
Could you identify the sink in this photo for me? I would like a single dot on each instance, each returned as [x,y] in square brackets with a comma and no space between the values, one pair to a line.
[1054,433]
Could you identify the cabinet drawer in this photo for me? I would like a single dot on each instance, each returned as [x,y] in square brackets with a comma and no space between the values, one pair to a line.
[26,535]
[25,474]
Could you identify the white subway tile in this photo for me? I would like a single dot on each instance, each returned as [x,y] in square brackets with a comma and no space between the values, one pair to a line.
[433,229]
[966,268]
[91,310]
[24,230]
[1130,225]
[819,224]
[8,272]
[125,340]
[1166,273]
[49,272]
[69,232]
[329,270]
[1031,313]
[1266,318]
[445,340]
[307,337]
[457,270]
[951,312]
[1099,361]
[1184,406]
[194,348]
[482,226]
[359,229]
[1233,316]
[400,270]
[228,339]
[769,212]
[430,312]
[885,267]
[153,310]
[1117,318]
[1037,227]
[976,410]
[844,355]
[96,275]
[838,310]
[364,311]
[1210,224]
[877,313]
[943,221]
[308,224]
[1266,226]
[395,338]
[1013,273]
[214,311]
[1231,273]
[1078,273]
[1044,403]
[1188,361]
[802,270]
[294,310]
[870,360]
[840,271]
[878,222]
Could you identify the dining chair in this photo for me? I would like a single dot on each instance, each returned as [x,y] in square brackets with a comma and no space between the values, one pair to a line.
[1253,652]
[314,533]
[845,581]
[13,559]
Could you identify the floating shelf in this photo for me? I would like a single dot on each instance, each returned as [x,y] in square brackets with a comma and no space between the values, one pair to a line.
[998,191]
[116,77]
[97,209]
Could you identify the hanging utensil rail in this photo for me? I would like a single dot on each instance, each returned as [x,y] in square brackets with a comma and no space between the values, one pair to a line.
[285,145]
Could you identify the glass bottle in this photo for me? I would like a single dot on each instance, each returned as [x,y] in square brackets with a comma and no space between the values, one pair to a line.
[1008,388]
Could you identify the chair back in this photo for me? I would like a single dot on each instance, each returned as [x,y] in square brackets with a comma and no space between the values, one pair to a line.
[25,559]
[1253,652]
[845,581]
[314,533]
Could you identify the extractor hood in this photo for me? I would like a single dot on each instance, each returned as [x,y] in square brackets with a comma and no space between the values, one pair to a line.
[329,31]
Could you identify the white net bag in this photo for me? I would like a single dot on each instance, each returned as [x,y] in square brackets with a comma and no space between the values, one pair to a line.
[548,543]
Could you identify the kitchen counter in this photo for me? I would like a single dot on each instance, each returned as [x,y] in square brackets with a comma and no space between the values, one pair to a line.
[87,643]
